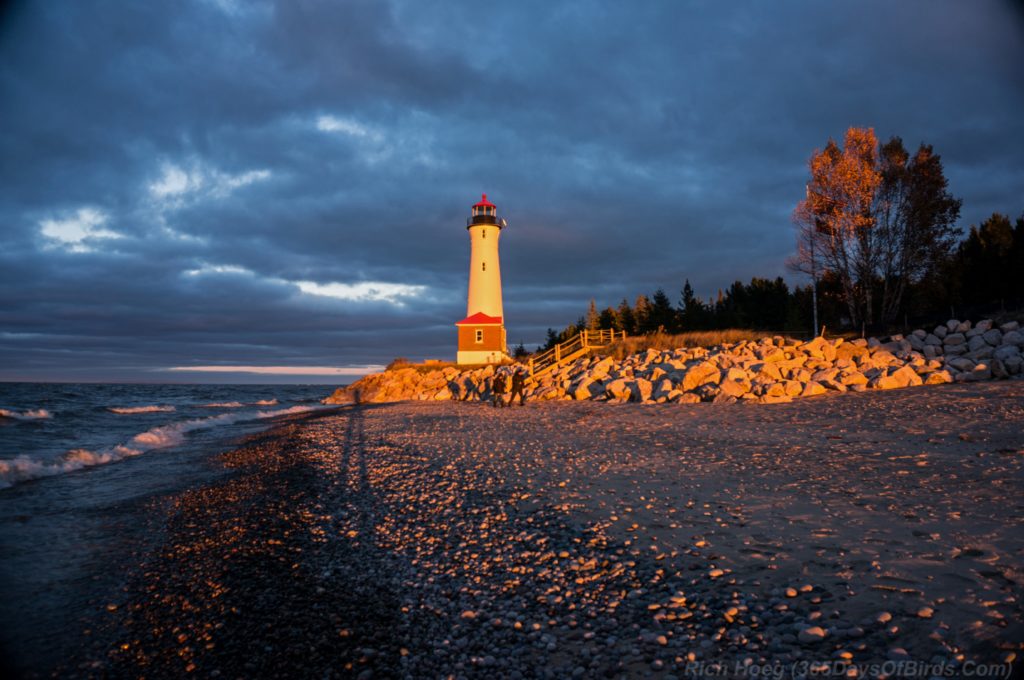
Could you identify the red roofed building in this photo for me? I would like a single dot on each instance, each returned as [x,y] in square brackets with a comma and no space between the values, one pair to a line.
[482,332]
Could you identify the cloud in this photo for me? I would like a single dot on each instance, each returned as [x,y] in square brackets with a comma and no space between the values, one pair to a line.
[365,291]
[176,184]
[346,126]
[292,178]
[79,232]
[396,294]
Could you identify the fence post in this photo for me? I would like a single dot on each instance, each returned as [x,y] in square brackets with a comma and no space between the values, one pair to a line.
[558,353]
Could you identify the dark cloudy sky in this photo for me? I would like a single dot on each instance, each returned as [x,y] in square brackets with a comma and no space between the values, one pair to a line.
[228,184]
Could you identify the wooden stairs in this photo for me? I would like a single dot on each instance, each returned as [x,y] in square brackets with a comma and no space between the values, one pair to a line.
[571,350]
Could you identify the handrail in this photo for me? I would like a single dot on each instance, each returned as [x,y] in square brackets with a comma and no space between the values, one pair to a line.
[570,349]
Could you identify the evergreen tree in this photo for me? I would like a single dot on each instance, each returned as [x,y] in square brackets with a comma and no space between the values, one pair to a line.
[642,314]
[627,320]
[661,317]
[593,320]
[608,319]
[692,313]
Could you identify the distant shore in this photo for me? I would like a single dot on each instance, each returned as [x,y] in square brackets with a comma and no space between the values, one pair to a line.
[591,540]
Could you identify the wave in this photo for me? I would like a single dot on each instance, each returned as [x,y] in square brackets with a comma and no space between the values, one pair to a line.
[240,405]
[128,410]
[24,468]
[37,414]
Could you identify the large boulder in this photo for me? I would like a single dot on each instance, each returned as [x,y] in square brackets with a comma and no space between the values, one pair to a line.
[700,374]
[813,389]
[1013,337]
[938,378]
[640,390]
[618,389]
[954,339]
[734,388]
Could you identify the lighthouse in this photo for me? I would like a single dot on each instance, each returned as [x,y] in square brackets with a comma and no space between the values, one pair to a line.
[482,332]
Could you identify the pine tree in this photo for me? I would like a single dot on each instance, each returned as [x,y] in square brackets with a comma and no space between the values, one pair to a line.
[627,320]
[662,317]
[592,321]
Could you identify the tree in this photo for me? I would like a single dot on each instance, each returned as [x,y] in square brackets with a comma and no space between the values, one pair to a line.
[642,313]
[592,321]
[662,316]
[551,340]
[608,319]
[692,313]
[836,218]
[520,352]
[627,320]
[986,261]
[915,218]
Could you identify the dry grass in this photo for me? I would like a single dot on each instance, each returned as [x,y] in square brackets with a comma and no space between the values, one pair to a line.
[661,341]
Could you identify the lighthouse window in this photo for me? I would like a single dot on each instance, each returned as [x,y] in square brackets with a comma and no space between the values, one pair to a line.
[483,233]
[483,266]
[479,335]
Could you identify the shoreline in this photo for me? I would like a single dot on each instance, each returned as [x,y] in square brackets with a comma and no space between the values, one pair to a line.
[578,538]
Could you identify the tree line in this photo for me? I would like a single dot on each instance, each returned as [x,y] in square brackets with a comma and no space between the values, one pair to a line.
[878,239]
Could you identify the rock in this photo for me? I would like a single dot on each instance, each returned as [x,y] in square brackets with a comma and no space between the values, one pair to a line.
[938,378]
[993,337]
[933,340]
[954,339]
[700,374]
[984,325]
[962,327]
[940,331]
[734,388]
[1009,326]
[663,388]
[1013,337]
[813,389]
[618,389]
[1004,352]
[791,592]
[961,363]
[976,343]
[925,612]
[883,618]
[812,634]
[582,390]
[640,389]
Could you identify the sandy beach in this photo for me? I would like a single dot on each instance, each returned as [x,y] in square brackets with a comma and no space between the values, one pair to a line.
[579,539]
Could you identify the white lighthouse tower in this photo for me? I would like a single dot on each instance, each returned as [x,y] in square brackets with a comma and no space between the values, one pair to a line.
[482,332]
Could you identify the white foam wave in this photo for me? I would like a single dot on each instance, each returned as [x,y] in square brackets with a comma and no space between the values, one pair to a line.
[239,404]
[37,414]
[128,410]
[23,468]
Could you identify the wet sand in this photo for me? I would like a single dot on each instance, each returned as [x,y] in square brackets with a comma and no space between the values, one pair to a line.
[583,539]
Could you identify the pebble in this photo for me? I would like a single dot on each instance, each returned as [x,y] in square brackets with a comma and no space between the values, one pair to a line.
[812,634]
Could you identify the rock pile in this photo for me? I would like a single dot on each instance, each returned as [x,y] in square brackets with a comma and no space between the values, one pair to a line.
[770,370]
